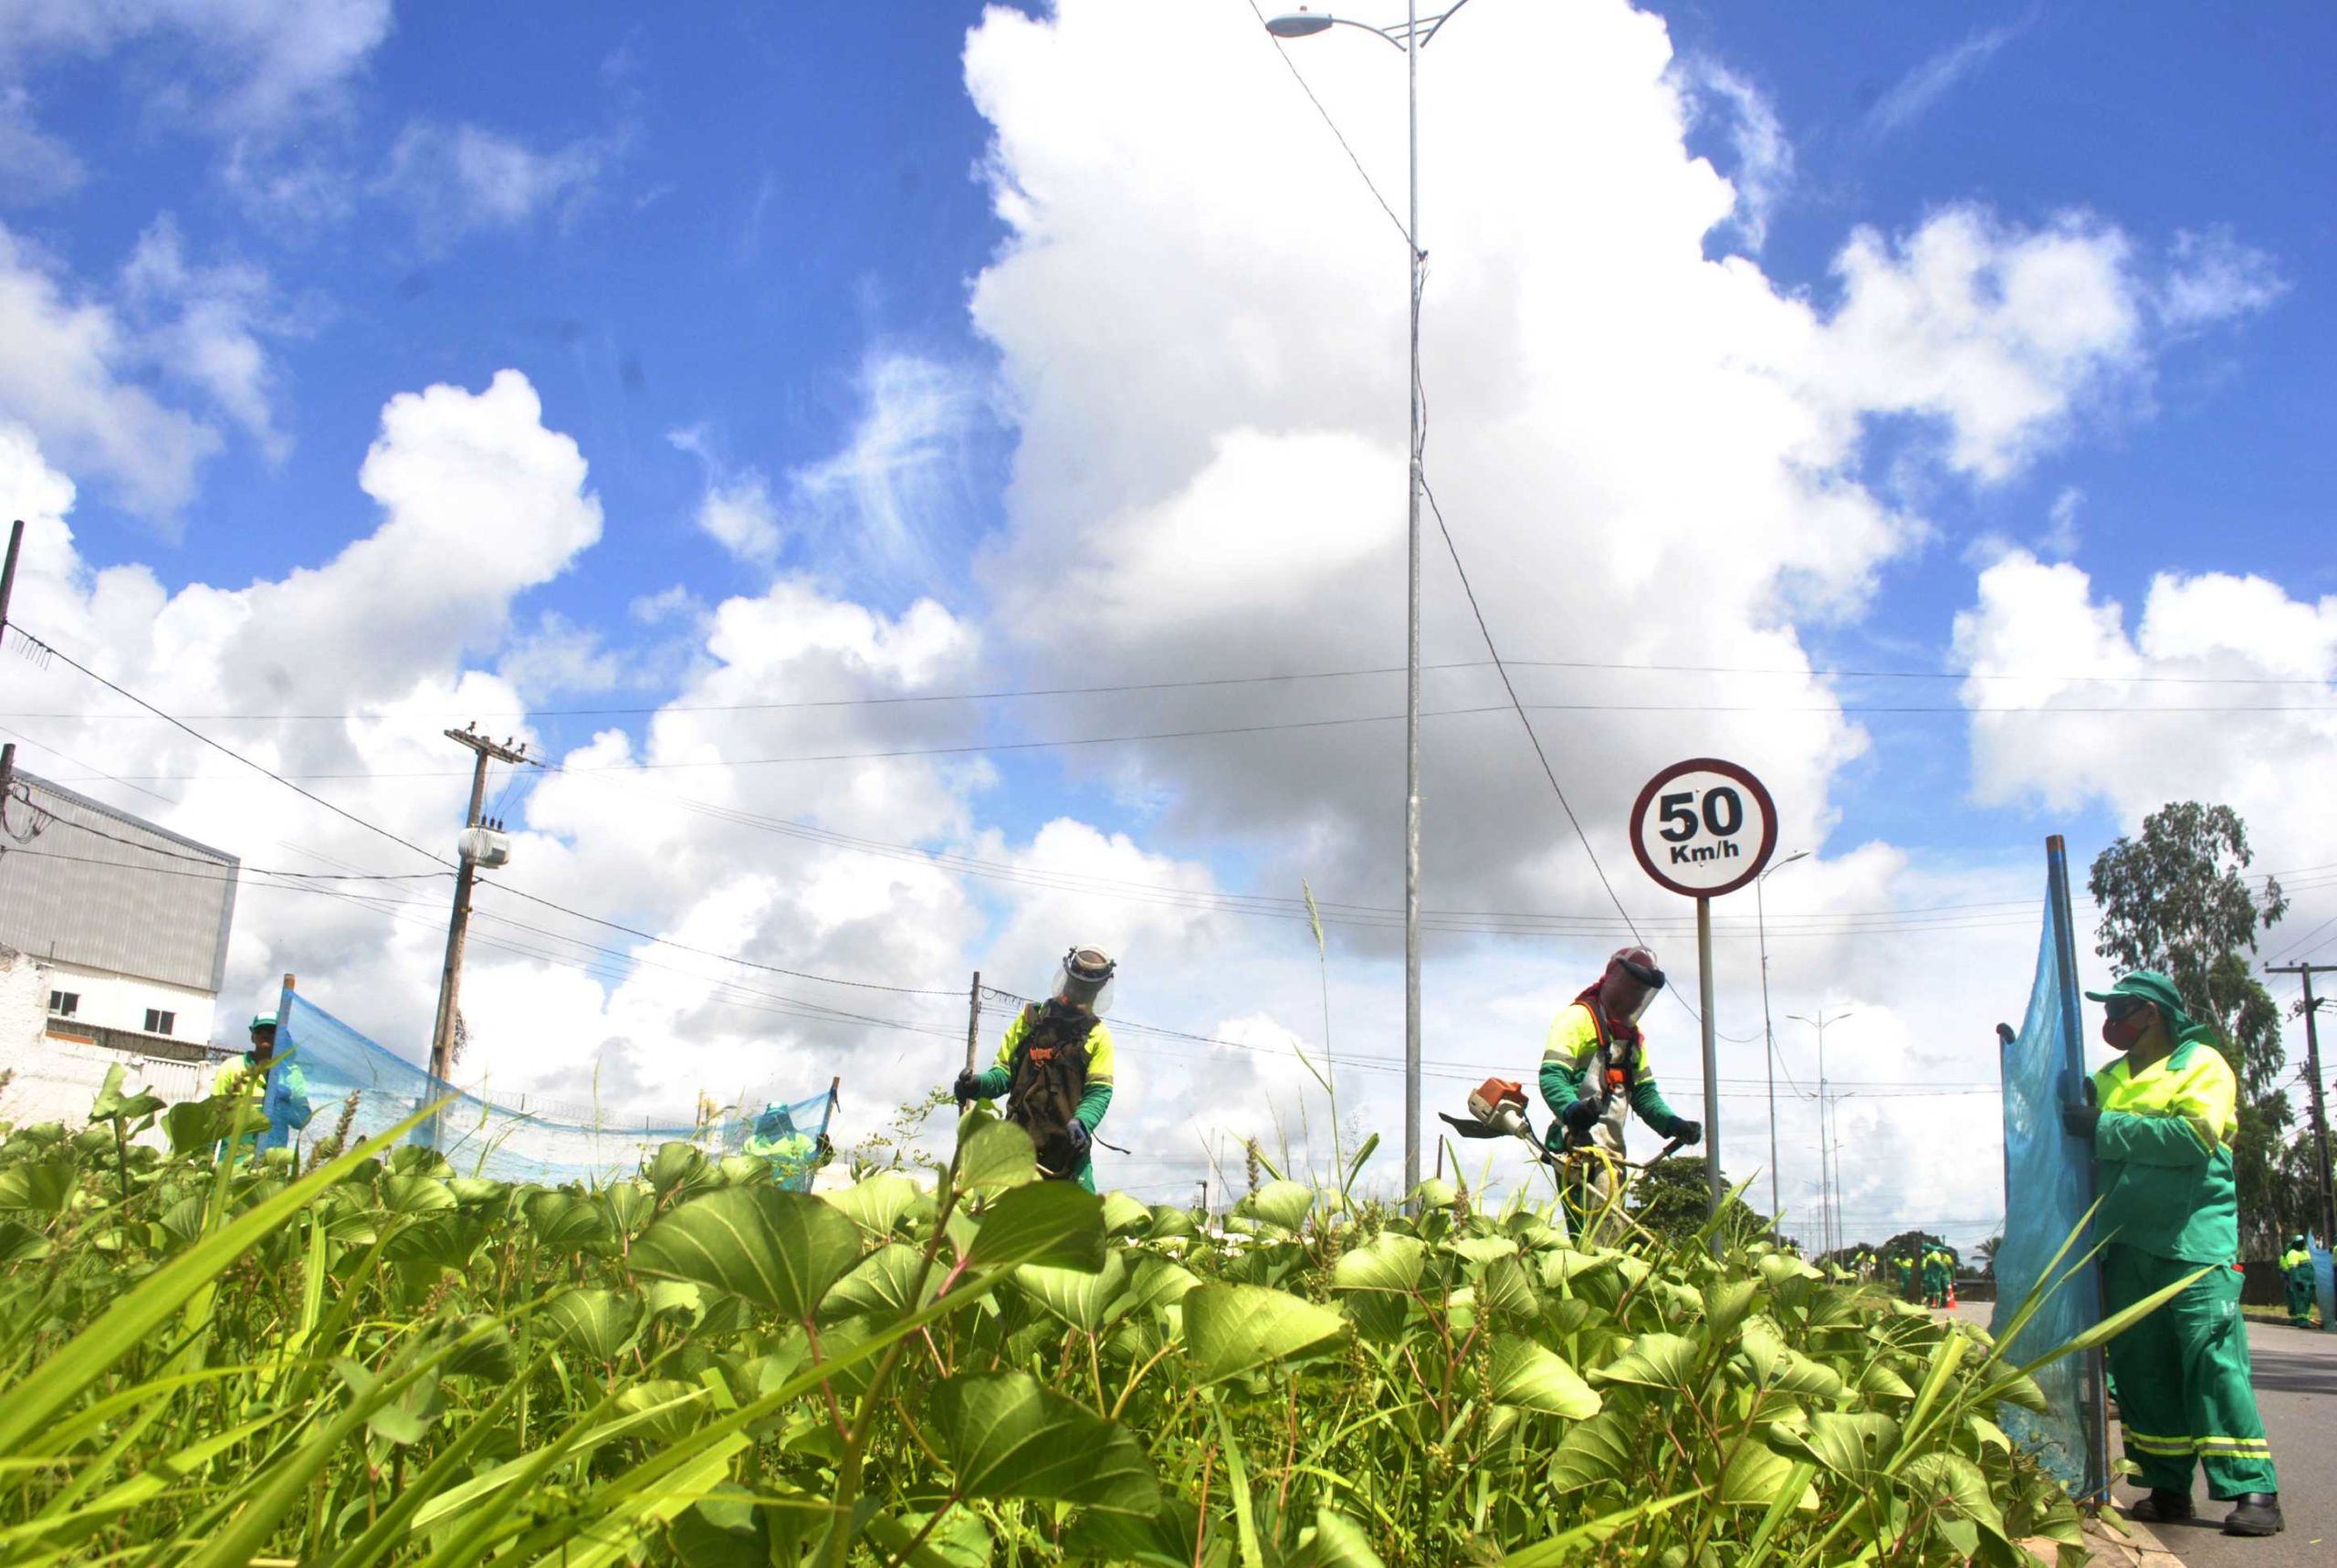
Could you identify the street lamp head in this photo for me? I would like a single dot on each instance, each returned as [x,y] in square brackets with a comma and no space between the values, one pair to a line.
[1299,24]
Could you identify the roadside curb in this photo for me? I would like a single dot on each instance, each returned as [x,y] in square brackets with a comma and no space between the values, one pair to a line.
[2128,1543]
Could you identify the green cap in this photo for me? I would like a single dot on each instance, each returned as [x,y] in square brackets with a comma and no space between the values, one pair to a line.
[264,1020]
[2150,986]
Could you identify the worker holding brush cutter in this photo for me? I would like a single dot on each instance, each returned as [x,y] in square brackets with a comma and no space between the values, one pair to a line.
[1595,1073]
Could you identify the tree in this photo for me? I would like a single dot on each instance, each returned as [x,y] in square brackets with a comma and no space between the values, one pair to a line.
[1987,1253]
[1670,1199]
[2176,898]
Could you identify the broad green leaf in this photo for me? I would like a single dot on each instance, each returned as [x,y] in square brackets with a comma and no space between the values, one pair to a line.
[1561,1547]
[994,1156]
[880,1282]
[475,1191]
[631,1206]
[1653,1360]
[1170,1222]
[777,1250]
[674,1166]
[1233,1329]
[1505,1289]
[1080,1297]
[192,1127]
[1532,1377]
[1725,1304]
[21,1243]
[1753,1476]
[878,1204]
[1482,1249]
[1388,1261]
[1854,1445]
[1159,1283]
[1175,1537]
[1594,1452]
[959,1540]
[674,1408]
[1778,1368]
[1008,1435]
[595,1323]
[1124,1216]
[1336,1542]
[1283,1205]
[485,1349]
[1052,1223]
[415,1195]
[1434,1192]
[1941,1477]
[567,1222]
[37,1186]
[677,1297]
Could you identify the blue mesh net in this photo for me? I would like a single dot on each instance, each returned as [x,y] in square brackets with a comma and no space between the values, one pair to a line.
[479,1137]
[2324,1285]
[2049,1186]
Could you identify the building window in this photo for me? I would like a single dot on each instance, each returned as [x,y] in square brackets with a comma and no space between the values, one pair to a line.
[160,1022]
[65,1004]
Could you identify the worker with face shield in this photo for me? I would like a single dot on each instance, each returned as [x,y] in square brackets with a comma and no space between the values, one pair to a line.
[1595,1071]
[1055,1067]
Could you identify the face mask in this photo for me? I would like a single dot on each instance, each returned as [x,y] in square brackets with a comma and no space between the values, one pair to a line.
[2123,1034]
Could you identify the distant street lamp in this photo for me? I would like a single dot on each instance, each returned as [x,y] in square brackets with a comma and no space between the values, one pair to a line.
[1826,1159]
[1768,1031]
[1411,37]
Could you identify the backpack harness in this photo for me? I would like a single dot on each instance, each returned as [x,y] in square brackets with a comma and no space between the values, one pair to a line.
[1612,1078]
[1049,1080]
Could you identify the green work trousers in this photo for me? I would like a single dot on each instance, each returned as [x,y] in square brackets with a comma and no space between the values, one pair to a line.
[2301,1302]
[2185,1398]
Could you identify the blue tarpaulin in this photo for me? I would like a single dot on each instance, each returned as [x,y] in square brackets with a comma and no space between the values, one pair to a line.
[2049,1186]
[479,1137]
[2324,1285]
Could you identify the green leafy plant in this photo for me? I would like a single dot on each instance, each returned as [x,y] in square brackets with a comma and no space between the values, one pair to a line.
[217,1359]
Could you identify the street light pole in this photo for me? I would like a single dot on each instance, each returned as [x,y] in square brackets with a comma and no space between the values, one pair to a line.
[1412,37]
[1827,1160]
[1768,1029]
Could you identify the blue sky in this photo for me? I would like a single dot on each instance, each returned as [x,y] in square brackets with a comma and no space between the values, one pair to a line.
[834,329]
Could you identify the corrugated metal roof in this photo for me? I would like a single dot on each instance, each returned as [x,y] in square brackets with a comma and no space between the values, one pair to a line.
[111,891]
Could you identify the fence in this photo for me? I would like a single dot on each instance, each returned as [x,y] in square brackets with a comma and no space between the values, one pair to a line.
[480,1137]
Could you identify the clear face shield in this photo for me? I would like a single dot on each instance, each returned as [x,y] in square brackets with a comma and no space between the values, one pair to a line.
[1083,979]
[1630,983]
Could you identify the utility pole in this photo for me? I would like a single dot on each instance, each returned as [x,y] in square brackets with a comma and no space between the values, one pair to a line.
[1769,1032]
[8,587]
[2313,1100]
[450,979]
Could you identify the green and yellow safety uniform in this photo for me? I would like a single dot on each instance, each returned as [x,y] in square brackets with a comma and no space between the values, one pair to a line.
[1586,1057]
[793,1156]
[1094,1101]
[2168,1206]
[278,1094]
[2296,1273]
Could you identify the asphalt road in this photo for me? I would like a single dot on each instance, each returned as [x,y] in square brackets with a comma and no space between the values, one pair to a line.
[2296,1389]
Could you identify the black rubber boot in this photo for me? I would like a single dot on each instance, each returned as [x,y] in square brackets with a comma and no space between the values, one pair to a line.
[2162,1507]
[2257,1513]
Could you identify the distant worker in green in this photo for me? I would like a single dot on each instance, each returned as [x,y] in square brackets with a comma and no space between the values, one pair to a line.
[1055,1067]
[2296,1273]
[793,1155]
[2161,1123]
[276,1088]
[1595,1071]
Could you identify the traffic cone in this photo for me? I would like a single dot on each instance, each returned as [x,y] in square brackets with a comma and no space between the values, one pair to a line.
[1951,1295]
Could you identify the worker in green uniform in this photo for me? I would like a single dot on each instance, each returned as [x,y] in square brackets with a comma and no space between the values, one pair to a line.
[2296,1273]
[793,1153]
[1595,1073]
[1055,1067]
[275,1086]
[2160,1123]
[1934,1281]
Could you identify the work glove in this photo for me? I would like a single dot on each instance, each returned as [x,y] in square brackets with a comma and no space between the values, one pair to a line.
[2078,1120]
[1687,1132]
[1079,1137]
[1582,1116]
[968,1087]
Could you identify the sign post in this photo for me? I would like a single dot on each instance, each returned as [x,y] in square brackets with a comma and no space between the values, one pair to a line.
[1703,828]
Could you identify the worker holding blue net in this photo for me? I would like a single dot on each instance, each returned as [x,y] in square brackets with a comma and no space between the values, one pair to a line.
[793,1153]
[273,1090]
[2161,1122]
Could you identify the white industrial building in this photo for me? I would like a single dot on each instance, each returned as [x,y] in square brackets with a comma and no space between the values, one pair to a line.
[113,944]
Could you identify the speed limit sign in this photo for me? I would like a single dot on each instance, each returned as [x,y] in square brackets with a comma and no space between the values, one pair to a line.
[1704,827]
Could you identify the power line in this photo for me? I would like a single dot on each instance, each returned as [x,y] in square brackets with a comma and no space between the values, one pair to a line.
[1361,173]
